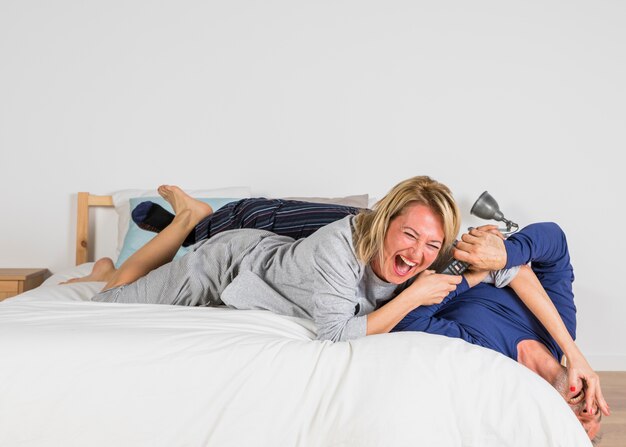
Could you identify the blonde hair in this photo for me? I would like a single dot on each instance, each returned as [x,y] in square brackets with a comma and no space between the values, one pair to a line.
[371,227]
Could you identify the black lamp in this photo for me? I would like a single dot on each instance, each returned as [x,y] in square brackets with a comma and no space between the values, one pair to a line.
[486,207]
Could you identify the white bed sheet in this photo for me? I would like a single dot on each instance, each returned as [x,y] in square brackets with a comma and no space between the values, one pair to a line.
[80,373]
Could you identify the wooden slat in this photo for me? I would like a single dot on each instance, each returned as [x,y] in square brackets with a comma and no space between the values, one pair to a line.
[85,201]
[100,200]
[82,228]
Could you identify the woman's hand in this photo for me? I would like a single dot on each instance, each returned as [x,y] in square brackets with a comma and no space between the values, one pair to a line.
[431,288]
[579,375]
[427,288]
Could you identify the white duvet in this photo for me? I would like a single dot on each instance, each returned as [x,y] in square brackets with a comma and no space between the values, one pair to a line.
[78,373]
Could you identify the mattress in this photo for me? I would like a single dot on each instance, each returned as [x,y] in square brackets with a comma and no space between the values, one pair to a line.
[78,373]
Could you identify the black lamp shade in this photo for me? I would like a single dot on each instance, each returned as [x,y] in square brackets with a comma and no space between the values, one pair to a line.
[486,207]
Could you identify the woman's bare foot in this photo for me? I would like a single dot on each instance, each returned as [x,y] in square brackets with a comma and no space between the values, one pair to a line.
[102,271]
[182,201]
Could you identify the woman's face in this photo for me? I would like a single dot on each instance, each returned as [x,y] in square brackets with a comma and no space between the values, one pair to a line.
[413,241]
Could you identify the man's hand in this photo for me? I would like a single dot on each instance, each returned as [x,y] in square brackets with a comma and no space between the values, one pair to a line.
[483,248]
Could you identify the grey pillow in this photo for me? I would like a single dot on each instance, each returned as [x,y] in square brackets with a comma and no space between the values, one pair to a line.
[356,201]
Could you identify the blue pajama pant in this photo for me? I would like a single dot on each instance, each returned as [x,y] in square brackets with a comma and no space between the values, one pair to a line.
[291,218]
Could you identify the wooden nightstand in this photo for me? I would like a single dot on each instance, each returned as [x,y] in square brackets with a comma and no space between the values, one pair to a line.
[16,281]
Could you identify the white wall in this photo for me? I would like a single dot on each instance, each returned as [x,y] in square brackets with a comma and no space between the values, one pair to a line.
[524,99]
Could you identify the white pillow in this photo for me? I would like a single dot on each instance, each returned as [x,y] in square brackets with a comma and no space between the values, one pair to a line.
[121,202]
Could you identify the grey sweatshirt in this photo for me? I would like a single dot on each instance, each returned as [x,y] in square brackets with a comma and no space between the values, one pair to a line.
[318,277]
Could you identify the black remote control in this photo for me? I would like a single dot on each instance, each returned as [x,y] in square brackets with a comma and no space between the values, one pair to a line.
[455,267]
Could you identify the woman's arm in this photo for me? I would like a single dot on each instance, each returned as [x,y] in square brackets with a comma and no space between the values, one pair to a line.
[527,286]
[428,288]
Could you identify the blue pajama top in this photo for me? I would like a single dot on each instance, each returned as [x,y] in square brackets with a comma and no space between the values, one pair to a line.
[496,318]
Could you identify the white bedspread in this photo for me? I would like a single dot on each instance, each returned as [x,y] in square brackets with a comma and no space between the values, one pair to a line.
[77,373]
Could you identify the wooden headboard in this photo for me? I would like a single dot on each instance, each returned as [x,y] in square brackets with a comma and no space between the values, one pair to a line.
[85,201]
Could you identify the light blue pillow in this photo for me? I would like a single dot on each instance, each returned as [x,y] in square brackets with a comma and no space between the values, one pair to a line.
[136,237]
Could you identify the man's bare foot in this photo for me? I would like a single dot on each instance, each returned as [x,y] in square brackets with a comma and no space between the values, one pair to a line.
[102,271]
[182,201]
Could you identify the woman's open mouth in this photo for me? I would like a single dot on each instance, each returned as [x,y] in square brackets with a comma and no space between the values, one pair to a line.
[403,266]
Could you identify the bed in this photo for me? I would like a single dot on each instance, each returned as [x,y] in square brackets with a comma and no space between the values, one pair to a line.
[81,373]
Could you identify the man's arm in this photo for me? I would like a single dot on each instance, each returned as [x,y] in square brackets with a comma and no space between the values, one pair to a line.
[486,249]
[483,248]
[422,320]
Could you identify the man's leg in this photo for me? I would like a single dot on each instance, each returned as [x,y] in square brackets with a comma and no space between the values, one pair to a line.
[291,218]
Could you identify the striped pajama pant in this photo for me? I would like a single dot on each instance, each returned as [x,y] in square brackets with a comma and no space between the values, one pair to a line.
[293,218]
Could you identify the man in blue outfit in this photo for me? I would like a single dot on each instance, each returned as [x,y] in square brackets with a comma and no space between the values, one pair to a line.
[497,319]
